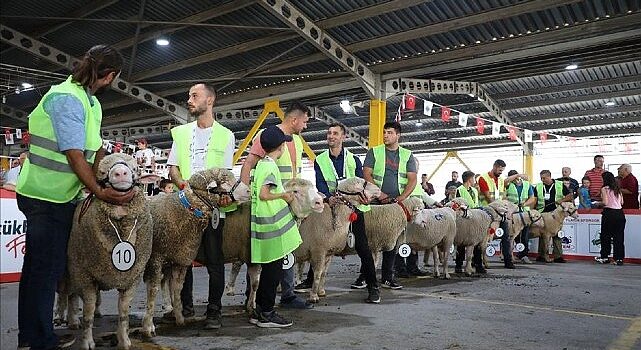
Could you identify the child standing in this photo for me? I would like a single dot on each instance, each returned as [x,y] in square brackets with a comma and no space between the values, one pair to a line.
[584,194]
[273,235]
[612,220]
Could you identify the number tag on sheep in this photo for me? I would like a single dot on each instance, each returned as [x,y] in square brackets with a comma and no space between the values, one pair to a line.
[519,247]
[288,261]
[489,251]
[351,240]
[215,218]
[123,256]
[404,250]
[499,232]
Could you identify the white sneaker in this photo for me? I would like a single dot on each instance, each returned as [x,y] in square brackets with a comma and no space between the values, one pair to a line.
[525,260]
[601,260]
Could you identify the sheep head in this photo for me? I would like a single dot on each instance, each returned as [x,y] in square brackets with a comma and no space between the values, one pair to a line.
[118,170]
[569,210]
[306,198]
[536,217]
[211,183]
[459,205]
[357,190]
[501,207]
[413,204]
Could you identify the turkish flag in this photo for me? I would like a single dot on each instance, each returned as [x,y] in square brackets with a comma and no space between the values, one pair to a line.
[410,101]
[573,141]
[445,113]
[118,147]
[543,136]
[25,137]
[480,125]
[512,131]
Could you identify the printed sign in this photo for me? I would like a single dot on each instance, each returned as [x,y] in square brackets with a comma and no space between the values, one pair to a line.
[13,230]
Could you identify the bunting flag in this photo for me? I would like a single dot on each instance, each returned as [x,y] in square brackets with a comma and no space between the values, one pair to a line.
[445,113]
[8,137]
[427,108]
[573,141]
[117,147]
[527,135]
[26,138]
[512,132]
[480,125]
[496,129]
[410,102]
[462,119]
[18,134]
[543,136]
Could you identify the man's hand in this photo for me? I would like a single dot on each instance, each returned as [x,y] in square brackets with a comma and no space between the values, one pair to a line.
[225,201]
[112,196]
[401,198]
[383,198]
[287,197]
[333,200]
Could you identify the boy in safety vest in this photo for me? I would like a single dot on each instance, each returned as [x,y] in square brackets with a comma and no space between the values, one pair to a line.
[273,235]
[520,192]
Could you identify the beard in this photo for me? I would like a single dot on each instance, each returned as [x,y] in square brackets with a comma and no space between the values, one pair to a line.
[195,112]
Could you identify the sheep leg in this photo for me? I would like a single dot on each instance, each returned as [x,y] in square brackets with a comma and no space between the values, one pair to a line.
[177,280]
[233,275]
[435,254]
[253,270]
[469,251]
[152,282]
[378,259]
[88,296]
[321,288]
[546,248]
[73,311]
[318,263]
[97,313]
[62,301]
[124,300]
[300,269]
[166,295]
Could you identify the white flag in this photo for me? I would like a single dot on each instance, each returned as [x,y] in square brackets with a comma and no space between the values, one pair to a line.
[462,119]
[427,107]
[109,147]
[18,133]
[158,152]
[528,135]
[8,138]
[496,129]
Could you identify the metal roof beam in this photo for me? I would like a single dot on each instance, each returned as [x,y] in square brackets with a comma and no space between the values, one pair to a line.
[67,61]
[582,113]
[320,114]
[571,99]
[14,113]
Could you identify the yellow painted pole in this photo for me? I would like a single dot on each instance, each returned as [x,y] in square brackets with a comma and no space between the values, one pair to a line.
[455,154]
[252,132]
[377,110]
[528,166]
[447,156]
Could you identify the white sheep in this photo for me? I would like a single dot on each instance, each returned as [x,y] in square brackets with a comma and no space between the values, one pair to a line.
[431,228]
[93,260]
[552,224]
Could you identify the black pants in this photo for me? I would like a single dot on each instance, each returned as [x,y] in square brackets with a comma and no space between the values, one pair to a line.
[45,261]
[270,276]
[210,254]
[402,265]
[368,270]
[387,268]
[524,237]
[612,231]
[477,258]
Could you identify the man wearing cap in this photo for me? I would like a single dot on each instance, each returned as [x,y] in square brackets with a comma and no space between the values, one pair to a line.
[521,193]
[290,166]
[203,144]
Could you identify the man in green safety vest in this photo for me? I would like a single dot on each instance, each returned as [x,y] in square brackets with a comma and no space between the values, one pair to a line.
[203,144]
[470,194]
[332,165]
[393,169]
[290,165]
[65,143]
[549,193]
[520,192]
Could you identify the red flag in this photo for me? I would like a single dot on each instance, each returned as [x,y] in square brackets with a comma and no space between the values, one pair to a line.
[480,125]
[543,136]
[573,141]
[25,137]
[445,113]
[410,101]
[512,131]
[117,147]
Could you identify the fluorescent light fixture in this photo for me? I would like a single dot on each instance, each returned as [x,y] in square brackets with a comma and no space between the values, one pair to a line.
[471,95]
[419,124]
[345,106]
[610,103]
[26,86]
[162,42]
[571,66]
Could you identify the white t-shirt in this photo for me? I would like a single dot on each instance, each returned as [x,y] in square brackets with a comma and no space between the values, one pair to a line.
[198,151]
[146,154]
[11,177]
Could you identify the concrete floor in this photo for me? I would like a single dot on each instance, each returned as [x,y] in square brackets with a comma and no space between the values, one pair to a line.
[578,305]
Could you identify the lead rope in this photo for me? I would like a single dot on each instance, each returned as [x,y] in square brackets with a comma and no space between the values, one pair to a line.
[118,234]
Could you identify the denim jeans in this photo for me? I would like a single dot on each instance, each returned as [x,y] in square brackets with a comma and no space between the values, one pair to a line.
[44,264]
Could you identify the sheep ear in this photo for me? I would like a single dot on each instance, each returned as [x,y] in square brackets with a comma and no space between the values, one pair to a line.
[212,184]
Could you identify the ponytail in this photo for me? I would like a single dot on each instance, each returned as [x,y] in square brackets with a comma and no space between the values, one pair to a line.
[97,63]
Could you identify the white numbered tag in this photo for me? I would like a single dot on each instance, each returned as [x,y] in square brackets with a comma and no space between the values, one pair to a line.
[215,218]
[123,256]
[288,261]
[404,250]
[561,234]
[519,247]
[452,249]
[351,240]
[499,232]
[489,251]
[546,196]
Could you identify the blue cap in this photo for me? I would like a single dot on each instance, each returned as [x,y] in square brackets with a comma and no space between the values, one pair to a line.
[272,137]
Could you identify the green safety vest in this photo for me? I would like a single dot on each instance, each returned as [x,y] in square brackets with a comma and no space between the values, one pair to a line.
[46,173]
[329,172]
[472,201]
[285,161]
[378,172]
[274,232]
[513,195]
[540,192]
[492,187]
[183,136]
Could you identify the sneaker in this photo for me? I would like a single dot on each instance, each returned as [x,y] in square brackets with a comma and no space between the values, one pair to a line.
[619,262]
[509,265]
[272,320]
[601,260]
[24,346]
[560,260]
[66,341]
[525,260]
[481,269]
[359,283]
[213,320]
[415,271]
[390,284]
[253,318]
[303,287]
[296,303]
[373,296]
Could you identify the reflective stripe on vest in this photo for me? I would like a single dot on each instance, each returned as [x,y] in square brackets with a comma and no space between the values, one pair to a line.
[378,172]
[514,197]
[46,173]
[540,192]
[492,186]
[465,194]
[328,171]
[274,232]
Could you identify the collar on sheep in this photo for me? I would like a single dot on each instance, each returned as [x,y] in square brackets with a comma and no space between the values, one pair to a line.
[361,194]
[407,212]
[185,202]
[229,193]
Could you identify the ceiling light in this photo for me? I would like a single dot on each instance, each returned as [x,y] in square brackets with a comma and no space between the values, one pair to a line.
[571,66]
[471,95]
[610,103]
[162,42]
[345,106]
[419,124]
[27,85]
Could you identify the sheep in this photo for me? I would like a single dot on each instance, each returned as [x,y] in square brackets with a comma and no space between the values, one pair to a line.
[552,224]
[431,228]
[97,228]
[520,220]
[473,225]
[177,232]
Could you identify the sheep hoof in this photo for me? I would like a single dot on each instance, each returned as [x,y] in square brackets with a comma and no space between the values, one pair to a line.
[313,299]
[322,293]
[87,344]
[73,326]
[468,274]
[229,292]
[59,321]
[125,346]
[446,276]
[97,314]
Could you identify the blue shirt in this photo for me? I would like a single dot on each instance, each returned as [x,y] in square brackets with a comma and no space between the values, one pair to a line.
[519,189]
[68,120]
[584,198]
[321,184]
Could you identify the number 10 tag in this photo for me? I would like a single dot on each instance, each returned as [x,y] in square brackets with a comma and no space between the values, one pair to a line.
[123,256]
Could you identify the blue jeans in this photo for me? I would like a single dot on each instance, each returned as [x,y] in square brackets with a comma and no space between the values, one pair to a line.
[44,265]
[506,248]
[287,285]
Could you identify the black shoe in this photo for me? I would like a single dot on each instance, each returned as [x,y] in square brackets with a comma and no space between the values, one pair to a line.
[296,303]
[373,296]
[254,317]
[560,260]
[272,320]
[619,262]
[213,320]
[458,269]
[481,269]
[403,273]
[359,283]
[390,284]
[66,341]
[415,271]
[303,287]
[509,265]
